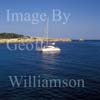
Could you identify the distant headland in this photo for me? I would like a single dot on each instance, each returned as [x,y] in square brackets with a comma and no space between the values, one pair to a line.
[19,38]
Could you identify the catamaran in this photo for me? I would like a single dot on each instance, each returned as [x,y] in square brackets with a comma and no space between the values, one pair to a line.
[48,47]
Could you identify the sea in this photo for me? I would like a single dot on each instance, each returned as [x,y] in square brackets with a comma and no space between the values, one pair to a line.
[77,60]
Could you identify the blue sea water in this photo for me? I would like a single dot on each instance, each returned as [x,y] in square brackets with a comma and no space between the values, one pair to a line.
[77,60]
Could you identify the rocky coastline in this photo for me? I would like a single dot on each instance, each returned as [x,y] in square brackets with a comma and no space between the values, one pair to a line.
[39,39]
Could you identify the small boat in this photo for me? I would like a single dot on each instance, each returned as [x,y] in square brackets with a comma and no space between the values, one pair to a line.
[48,47]
[81,39]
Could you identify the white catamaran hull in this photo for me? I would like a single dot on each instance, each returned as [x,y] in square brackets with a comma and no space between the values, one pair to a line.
[49,49]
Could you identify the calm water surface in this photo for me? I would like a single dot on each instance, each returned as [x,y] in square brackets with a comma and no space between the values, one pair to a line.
[77,60]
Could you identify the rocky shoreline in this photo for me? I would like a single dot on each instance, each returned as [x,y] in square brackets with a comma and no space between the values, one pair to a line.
[24,40]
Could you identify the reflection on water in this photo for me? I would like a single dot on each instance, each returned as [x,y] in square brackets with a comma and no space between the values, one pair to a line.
[77,60]
[49,59]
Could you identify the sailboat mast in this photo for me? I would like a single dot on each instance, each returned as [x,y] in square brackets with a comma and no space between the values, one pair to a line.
[47,31]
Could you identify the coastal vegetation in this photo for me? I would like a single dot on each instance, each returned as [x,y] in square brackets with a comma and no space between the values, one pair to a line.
[19,38]
[10,35]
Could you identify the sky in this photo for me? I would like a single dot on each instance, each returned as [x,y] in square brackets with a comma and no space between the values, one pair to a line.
[83,22]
